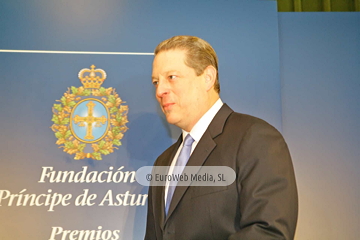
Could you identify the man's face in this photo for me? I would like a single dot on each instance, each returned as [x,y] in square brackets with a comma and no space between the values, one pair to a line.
[181,94]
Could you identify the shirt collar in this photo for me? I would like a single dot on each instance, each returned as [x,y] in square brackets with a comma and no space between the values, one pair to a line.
[200,127]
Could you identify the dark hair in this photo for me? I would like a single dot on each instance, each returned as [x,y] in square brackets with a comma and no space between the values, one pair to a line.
[199,54]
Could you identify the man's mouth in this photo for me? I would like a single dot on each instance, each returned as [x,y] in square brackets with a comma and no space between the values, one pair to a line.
[167,106]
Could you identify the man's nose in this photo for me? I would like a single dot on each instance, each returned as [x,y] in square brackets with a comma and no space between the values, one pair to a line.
[162,88]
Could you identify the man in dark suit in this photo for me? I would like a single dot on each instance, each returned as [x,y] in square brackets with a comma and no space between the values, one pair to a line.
[262,201]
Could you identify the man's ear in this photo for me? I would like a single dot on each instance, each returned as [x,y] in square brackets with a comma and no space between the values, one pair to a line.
[210,77]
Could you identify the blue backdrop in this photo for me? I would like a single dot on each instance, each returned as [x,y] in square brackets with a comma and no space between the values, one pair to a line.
[320,73]
[246,40]
[298,71]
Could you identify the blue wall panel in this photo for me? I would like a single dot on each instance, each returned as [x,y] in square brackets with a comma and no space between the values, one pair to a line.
[244,34]
[320,73]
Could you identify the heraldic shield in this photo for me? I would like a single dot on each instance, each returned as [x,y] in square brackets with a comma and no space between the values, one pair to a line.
[89,121]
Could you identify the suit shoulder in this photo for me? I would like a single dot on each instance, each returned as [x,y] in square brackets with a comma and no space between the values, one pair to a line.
[251,127]
[245,121]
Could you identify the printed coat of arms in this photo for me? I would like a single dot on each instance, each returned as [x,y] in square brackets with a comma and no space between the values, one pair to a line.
[89,121]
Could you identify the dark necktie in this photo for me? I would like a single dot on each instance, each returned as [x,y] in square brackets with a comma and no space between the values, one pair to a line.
[180,165]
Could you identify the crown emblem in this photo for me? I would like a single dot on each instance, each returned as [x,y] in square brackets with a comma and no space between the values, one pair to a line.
[92,78]
[89,121]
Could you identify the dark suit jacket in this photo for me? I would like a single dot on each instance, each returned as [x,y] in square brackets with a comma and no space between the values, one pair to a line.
[261,203]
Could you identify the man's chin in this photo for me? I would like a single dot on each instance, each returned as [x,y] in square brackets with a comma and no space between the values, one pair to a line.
[171,119]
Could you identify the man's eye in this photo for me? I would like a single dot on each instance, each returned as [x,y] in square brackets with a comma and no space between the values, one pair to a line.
[155,83]
[172,76]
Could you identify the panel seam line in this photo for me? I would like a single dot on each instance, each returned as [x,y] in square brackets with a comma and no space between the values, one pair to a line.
[73,52]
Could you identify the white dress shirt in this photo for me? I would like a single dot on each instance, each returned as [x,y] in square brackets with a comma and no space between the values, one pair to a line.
[196,133]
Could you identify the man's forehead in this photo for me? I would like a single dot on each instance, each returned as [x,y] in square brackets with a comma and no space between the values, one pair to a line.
[166,60]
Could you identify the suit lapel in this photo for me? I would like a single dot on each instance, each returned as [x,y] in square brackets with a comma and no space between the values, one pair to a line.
[160,191]
[201,153]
